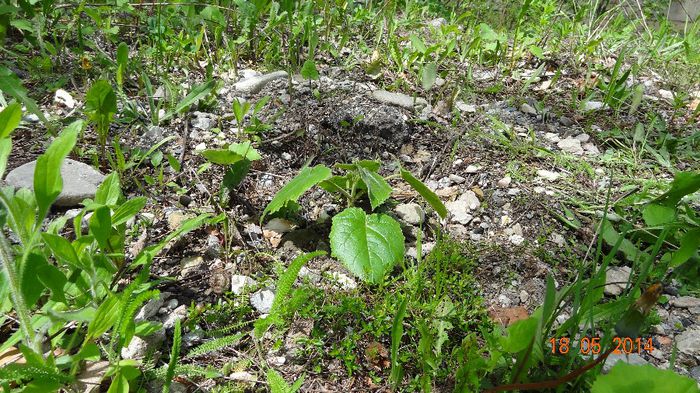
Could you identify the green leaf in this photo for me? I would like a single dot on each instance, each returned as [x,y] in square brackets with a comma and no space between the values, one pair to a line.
[536,51]
[368,246]
[9,119]
[425,192]
[62,249]
[221,156]
[101,102]
[417,43]
[119,384]
[308,70]
[197,93]
[101,227]
[628,378]
[655,215]
[684,183]
[105,317]
[307,178]
[5,150]
[54,280]
[127,210]
[235,174]
[174,355]
[377,188]
[690,243]
[11,85]
[396,335]
[47,175]
[428,76]
[245,149]
[122,60]
[520,334]
[109,191]
[31,287]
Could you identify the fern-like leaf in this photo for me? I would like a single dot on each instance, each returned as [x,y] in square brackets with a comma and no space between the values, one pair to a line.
[215,345]
[174,355]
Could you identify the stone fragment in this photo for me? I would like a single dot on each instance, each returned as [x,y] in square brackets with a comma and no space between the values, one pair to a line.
[616,279]
[411,213]
[255,83]
[80,181]
[399,99]
[262,300]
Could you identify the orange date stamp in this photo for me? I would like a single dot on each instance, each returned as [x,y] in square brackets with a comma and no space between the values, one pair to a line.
[592,345]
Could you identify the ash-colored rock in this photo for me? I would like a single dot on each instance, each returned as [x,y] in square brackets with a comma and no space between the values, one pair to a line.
[592,106]
[239,283]
[632,358]
[80,181]
[685,302]
[464,107]
[139,347]
[190,264]
[255,83]
[548,175]
[459,209]
[411,213]
[689,342]
[262,300]
[243,376]
[616,279]
[204,121]
[565,121]
[583,137]
[399,99]
[527,108]
[177,314]
[149,309]
[571,145]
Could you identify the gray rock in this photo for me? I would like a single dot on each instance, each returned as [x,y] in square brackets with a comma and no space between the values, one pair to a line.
[239,283]
[177,314]
[204,121]
[689,342]
[190,264]
[695,373]
[411,213]
[685,302]
[399,99]
[139,347]
[632,358]
[149,309]
[548,175]
[527,108]
[457,179]
[504,182]
[262,300]
[571,145]
[437,22]
[616,279]
[464,107]
[255,83]
[565,121]
[80,181]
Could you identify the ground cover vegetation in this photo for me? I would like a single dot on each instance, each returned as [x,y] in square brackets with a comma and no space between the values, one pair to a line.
[283,196]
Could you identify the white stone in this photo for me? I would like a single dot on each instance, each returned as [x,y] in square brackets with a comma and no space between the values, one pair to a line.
[243,376]
[504,300]
[464,107]
[685,302]
[552,137]
[504,182]
[472,169]
[666,94]
[558,239]
[62,97]
[592,106]
[177,314]
[149,309]
[262,300]
[399,99]
[239,283]
[190,264]
[527,108]
[583,137]
[138,347]
[516,239]
[460,208]
[279,225]
[632,358]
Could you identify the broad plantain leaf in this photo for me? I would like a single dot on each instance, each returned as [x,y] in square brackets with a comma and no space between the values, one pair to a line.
[369,246]
[628,378]
[428,76]
[425,192]
[655,215]
[307,178]
[9,119]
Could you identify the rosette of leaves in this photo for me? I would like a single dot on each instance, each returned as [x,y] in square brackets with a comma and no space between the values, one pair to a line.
[369,244]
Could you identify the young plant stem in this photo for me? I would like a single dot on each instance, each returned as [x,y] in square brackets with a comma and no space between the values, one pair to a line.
[8,266]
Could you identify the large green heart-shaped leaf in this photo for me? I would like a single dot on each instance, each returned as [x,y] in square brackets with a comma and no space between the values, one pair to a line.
[369,246]
[625,377]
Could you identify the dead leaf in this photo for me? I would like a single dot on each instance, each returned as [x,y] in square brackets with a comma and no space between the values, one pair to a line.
[377,355]
[273,237]
[693,105]
[88,381]
[479,192]
[11,355]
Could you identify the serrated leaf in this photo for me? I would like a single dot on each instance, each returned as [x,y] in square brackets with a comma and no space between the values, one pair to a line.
[628,378]
[425,192]
[307,178]
[378,189]
[368,246]
[428,76]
